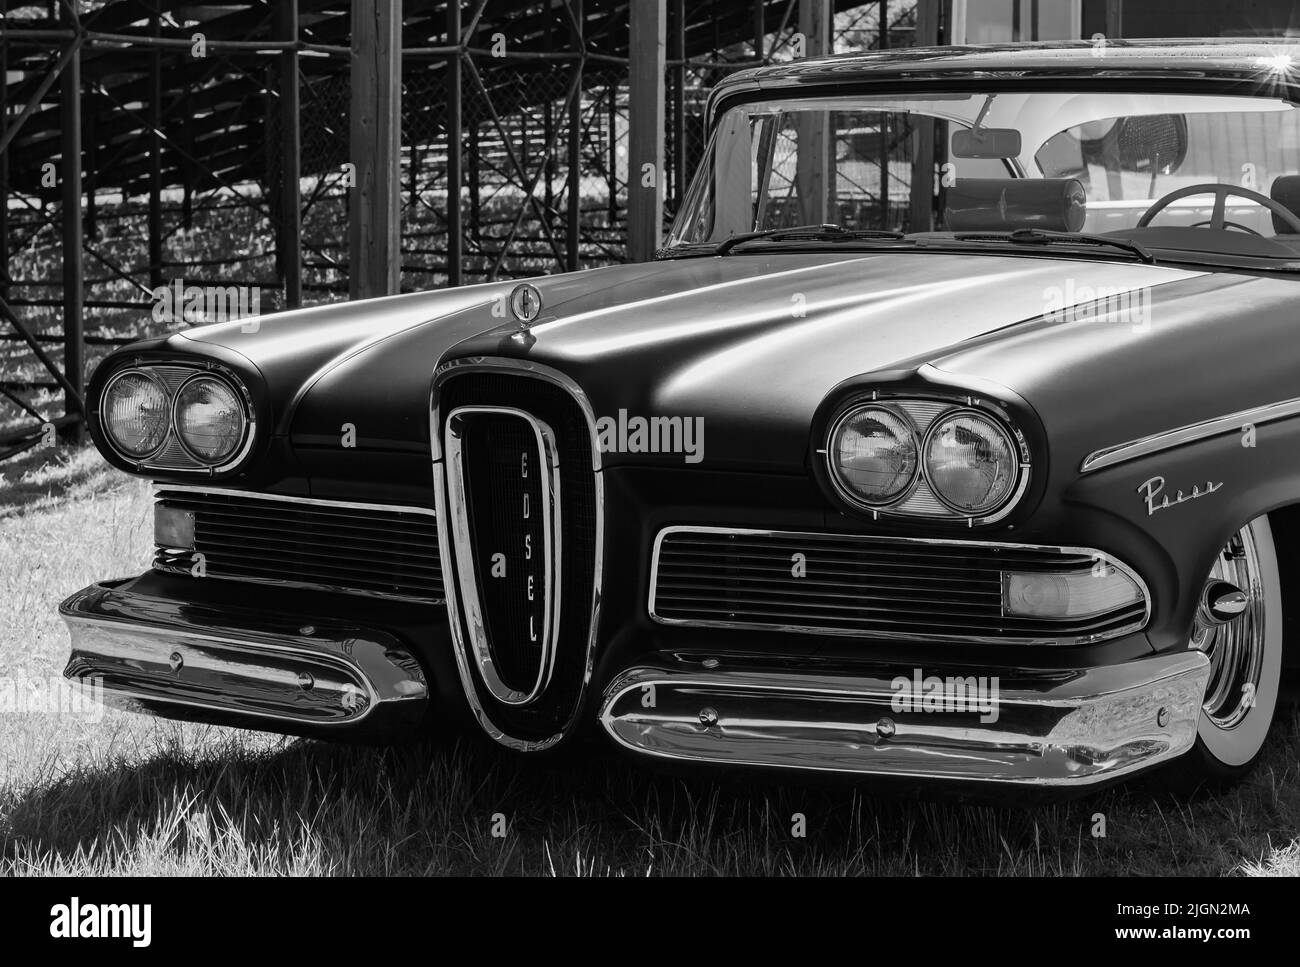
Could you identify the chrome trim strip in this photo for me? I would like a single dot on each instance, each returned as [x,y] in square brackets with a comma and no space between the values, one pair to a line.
[467,573]
[1068,728]
[517,367]
[158,495]
[1188,433]
[289,498]
[866,539]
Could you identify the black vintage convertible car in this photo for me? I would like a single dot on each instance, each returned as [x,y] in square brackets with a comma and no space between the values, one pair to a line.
[953,435]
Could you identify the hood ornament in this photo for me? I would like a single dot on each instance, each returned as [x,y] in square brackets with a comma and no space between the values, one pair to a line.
[525,303]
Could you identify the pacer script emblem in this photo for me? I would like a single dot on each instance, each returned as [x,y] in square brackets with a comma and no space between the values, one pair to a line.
[1152,489]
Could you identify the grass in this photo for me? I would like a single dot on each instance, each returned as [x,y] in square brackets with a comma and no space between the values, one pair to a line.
[130,795]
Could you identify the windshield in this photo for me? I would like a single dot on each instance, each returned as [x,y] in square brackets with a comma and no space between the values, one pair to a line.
[1094,162]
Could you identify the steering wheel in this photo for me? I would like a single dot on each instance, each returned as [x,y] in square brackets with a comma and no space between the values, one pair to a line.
[1221,193]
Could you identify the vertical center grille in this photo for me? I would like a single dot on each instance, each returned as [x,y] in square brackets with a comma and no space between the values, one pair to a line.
[503,477]
[522,491]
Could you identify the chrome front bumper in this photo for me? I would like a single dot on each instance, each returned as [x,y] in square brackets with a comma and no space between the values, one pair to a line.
[1052,728]
[239,667]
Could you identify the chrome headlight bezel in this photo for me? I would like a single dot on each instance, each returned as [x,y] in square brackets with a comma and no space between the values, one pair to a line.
[173,456]
[927,410]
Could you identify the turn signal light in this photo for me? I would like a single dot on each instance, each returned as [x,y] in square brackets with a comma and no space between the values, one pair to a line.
[173,528]
[1068,594]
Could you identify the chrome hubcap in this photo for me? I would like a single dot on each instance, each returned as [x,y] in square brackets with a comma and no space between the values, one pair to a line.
[1233,639]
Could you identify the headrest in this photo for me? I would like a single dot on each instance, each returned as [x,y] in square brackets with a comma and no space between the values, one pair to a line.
[1286,190]
[1005,204]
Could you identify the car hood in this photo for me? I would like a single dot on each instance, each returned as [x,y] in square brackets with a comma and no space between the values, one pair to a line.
[749,343]
[748,346]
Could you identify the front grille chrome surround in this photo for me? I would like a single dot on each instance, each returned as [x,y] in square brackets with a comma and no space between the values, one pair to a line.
[493,717]
[476,620]
[344,547]
[866,586]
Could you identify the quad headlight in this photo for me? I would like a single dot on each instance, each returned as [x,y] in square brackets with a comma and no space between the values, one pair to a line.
[927,458]
[135,413]
[875,453]
[176,417]
[209,418]
[971,463]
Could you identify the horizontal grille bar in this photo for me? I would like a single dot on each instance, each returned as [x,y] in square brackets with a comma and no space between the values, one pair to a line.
[353,548]
[848,584]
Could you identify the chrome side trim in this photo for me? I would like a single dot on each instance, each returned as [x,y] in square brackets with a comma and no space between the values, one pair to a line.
[1059,728]
[467,573]
[1189,433]
[526,368]
[868,540]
